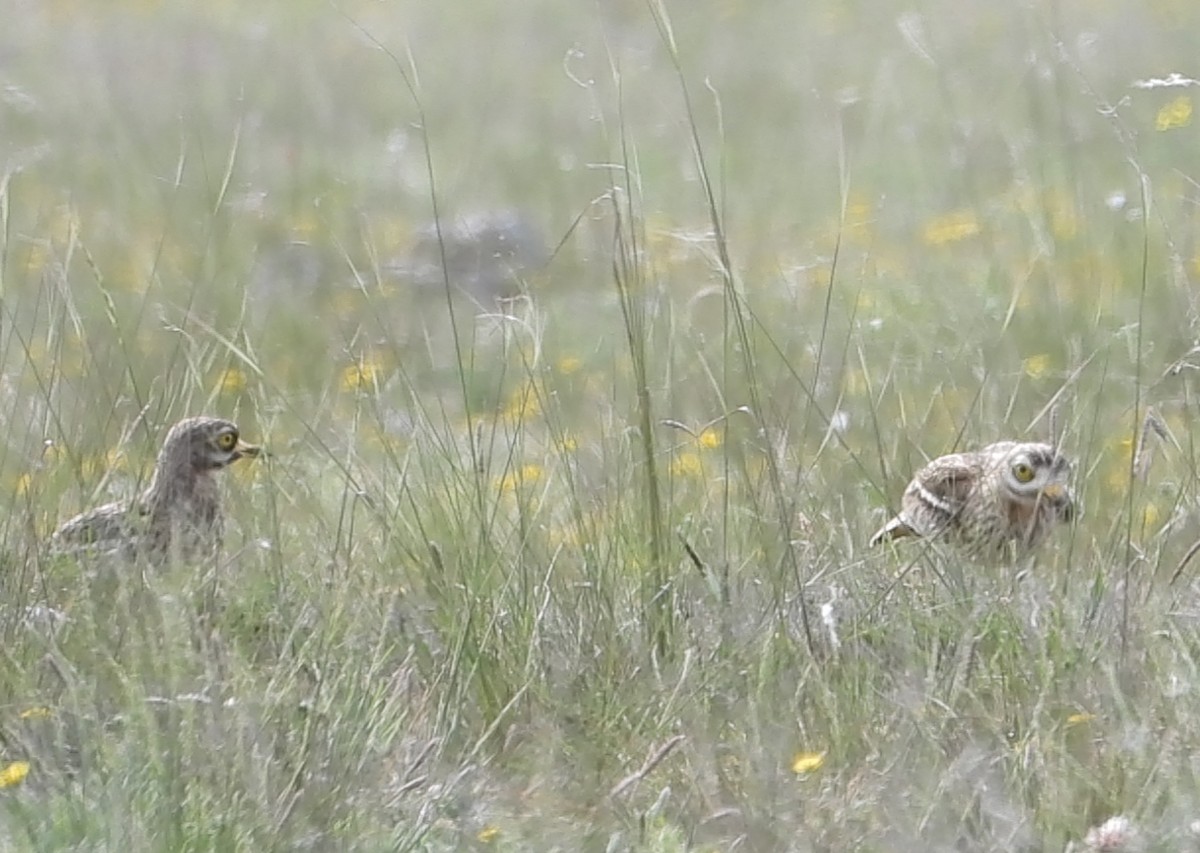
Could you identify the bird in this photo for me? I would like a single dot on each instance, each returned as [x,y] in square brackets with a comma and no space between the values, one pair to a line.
[1002,499]
[178,515]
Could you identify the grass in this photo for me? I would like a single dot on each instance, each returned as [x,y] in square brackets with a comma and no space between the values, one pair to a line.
[586,569]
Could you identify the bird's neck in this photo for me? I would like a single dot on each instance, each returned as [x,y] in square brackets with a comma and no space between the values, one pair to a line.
[177,482]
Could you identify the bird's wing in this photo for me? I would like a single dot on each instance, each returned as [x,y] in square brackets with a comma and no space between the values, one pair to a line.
[939,489]
[108,524]
[947,482]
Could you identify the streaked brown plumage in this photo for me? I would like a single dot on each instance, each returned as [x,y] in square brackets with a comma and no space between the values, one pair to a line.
[179,513]
[1003,499]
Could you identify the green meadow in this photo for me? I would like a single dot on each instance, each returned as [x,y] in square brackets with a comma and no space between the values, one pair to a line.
[575,558]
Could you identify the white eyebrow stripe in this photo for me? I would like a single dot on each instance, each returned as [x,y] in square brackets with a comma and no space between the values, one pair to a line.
[928,496]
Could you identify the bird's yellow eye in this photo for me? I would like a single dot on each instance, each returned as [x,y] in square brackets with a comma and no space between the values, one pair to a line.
[227,440]
[1023,472]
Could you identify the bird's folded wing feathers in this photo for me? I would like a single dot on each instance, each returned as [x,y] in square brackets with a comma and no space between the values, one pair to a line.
[109,523]
[946,483]
[943,485]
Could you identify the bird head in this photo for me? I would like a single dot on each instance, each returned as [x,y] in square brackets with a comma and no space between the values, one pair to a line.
[205,444]
[1039,474]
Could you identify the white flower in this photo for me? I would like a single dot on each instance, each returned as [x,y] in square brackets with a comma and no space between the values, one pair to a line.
[1116,833]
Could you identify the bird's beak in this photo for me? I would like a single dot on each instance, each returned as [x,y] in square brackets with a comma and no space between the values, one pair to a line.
[1061,497]
[1055,492]
[243,449]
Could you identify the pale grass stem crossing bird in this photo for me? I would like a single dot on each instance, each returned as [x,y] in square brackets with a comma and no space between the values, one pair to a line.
[178,515]
[1003,499]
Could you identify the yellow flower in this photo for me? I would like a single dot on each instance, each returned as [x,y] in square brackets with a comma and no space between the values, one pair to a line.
[232,381]
[524,403]
[14,774]
[115,460]
[36,259]
[950,228]
[527,473]
[687,464]
[345,303]
[858,218]
[305,224]
[39,713]
[710,439]
[568,365]
[1150,515]
[1080,718]
[1036,365]
[63,224]
[1118,469]
[361,376]
[1174,114]
[807,762]
[23,484]
[93,466]
[568,443]
[128,274]
[1064,222]
[393,233]
[488,834]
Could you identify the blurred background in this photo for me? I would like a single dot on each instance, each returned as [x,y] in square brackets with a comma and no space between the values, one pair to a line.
[216,199]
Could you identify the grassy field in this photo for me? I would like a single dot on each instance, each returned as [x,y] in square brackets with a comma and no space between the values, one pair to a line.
[585,568]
